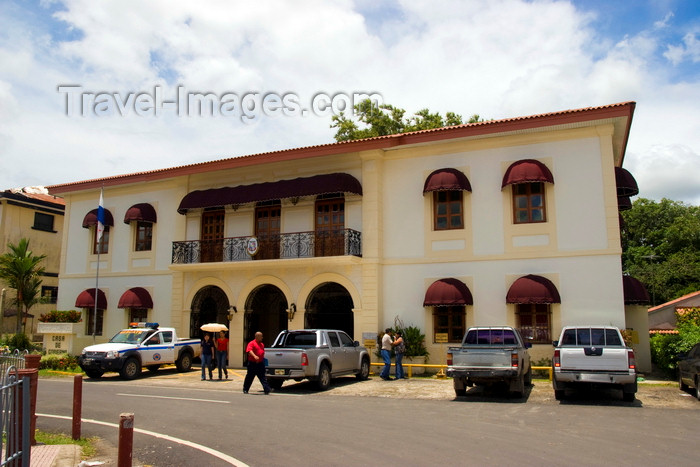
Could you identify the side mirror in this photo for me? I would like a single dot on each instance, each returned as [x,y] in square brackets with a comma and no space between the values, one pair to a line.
[555,343]
[356,343]
[528,345]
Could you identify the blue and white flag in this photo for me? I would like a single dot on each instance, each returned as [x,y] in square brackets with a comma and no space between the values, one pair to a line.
[100,218]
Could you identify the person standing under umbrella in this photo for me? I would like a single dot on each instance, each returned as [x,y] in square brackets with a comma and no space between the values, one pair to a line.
[222,353]
[207,355]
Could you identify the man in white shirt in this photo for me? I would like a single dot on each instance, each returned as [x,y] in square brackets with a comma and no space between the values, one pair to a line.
[387,342]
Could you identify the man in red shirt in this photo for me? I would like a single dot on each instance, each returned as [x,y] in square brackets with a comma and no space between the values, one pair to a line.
[256,364]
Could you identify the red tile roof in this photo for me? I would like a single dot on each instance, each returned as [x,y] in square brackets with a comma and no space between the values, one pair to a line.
[680,299]
[623,109]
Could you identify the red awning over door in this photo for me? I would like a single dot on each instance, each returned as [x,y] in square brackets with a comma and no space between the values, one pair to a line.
[448,292]
[86,299]
[136,297]
[533,289]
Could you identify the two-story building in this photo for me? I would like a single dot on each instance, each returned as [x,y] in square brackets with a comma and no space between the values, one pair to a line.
[511,221]
[33,214]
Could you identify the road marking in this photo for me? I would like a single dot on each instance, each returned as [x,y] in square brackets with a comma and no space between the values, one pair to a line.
[210,451]
[176,398]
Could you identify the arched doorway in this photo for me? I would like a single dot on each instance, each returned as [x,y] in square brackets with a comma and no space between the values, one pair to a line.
[265,311]
[330,307]
[209,305]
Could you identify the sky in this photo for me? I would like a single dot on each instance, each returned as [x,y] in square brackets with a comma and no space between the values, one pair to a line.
[96,89]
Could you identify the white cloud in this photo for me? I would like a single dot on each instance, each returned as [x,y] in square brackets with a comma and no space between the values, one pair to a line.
[501,58]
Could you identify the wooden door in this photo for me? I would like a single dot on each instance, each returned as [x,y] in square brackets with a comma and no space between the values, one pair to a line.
[212,236]
[267,230]
[330,227]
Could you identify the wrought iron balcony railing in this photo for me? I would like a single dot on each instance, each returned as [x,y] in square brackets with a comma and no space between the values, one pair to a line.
[341,242]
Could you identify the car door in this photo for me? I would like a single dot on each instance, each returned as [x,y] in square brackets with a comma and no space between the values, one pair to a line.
[352,360]
[337,352]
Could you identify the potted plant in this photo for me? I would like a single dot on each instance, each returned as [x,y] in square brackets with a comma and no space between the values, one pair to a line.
[416,351]
[60,322]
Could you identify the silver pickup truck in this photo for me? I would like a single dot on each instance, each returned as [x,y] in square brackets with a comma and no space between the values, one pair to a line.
[315,354]
[490,355]
[586,356]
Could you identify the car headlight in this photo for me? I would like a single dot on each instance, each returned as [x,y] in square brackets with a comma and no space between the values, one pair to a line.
[83,352]
[112,354]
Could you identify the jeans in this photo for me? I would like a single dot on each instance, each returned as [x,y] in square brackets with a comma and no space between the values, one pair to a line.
[221,362]
[206,365]
[256,369]
[399,367]
[386,356]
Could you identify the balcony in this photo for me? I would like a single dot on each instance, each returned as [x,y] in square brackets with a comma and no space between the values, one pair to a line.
[342,242]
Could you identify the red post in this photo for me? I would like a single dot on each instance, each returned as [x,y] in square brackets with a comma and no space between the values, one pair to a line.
[126,439]
[31,371]
[77,405]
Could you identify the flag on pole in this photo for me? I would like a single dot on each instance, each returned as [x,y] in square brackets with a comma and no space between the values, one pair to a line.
[100,218]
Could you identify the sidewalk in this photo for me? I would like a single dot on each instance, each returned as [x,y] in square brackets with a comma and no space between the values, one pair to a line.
[55,455]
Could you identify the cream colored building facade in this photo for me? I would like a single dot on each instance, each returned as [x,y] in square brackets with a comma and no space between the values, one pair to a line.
[510,222]
[33,214]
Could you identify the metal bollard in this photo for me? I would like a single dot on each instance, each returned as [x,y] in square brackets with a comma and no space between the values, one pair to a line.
[77,405]
[126,439]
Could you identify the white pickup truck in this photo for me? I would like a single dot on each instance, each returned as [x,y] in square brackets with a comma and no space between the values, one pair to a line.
[587,356]
[315,354]
[490,355]
[143,344]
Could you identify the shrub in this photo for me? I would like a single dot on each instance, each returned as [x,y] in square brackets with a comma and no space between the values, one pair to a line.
[546,361]
[60,362]
[664,351]
[61,316]
[17,342]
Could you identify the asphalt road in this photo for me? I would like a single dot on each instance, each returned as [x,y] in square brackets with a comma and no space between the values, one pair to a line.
[299,427]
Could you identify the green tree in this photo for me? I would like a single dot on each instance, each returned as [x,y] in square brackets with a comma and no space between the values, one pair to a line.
[20,269]
[661,247]
[386,119]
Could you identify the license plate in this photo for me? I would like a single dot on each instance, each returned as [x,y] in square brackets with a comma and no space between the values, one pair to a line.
[280,372]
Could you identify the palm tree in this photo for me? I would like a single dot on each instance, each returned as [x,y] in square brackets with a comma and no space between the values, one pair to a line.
[20,269]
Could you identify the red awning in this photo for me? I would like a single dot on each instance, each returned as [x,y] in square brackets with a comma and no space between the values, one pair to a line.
[143,212]
[532,289]
[634,291]
[527,171]
[624,203]
[626,184]
[448,292]
[303,186]
[91,218]
[86,299]
[136,297]
[447,180]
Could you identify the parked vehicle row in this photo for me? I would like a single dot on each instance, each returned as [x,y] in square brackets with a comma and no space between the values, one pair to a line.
[689,371]
[584,357]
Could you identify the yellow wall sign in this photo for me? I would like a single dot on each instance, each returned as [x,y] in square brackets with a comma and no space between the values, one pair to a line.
[370,343]
[441,337]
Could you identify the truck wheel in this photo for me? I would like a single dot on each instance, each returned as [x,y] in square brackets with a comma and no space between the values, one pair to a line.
[184,363]
[324,377]
[153,368]
[683,387]
[363,374]
[627,396]
[697,389]
[528,377]
[131,369]
[275,384]
[519,391]
[94,374]
[460,392]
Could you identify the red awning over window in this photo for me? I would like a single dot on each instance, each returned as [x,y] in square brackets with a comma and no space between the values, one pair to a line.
[136,297]
[532,289]
[143,212]
[447,180]
[634,291]
[624,203]
[86,299]
[303,186]
[448,292]
[626,184]
[90,218]
[527,171]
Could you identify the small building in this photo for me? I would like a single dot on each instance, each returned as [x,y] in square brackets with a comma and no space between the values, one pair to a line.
[663,317]
[34,214]
[506,222]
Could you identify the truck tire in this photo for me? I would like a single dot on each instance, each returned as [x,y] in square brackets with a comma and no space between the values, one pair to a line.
[363,374]
[184,363]
[528,377]
[275,383]
[683,387]
[460,387]
[153,368]
[559,394]
[94,374]
[519,391]
[697,389]
[131,369]
[460,392]
[324,377]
